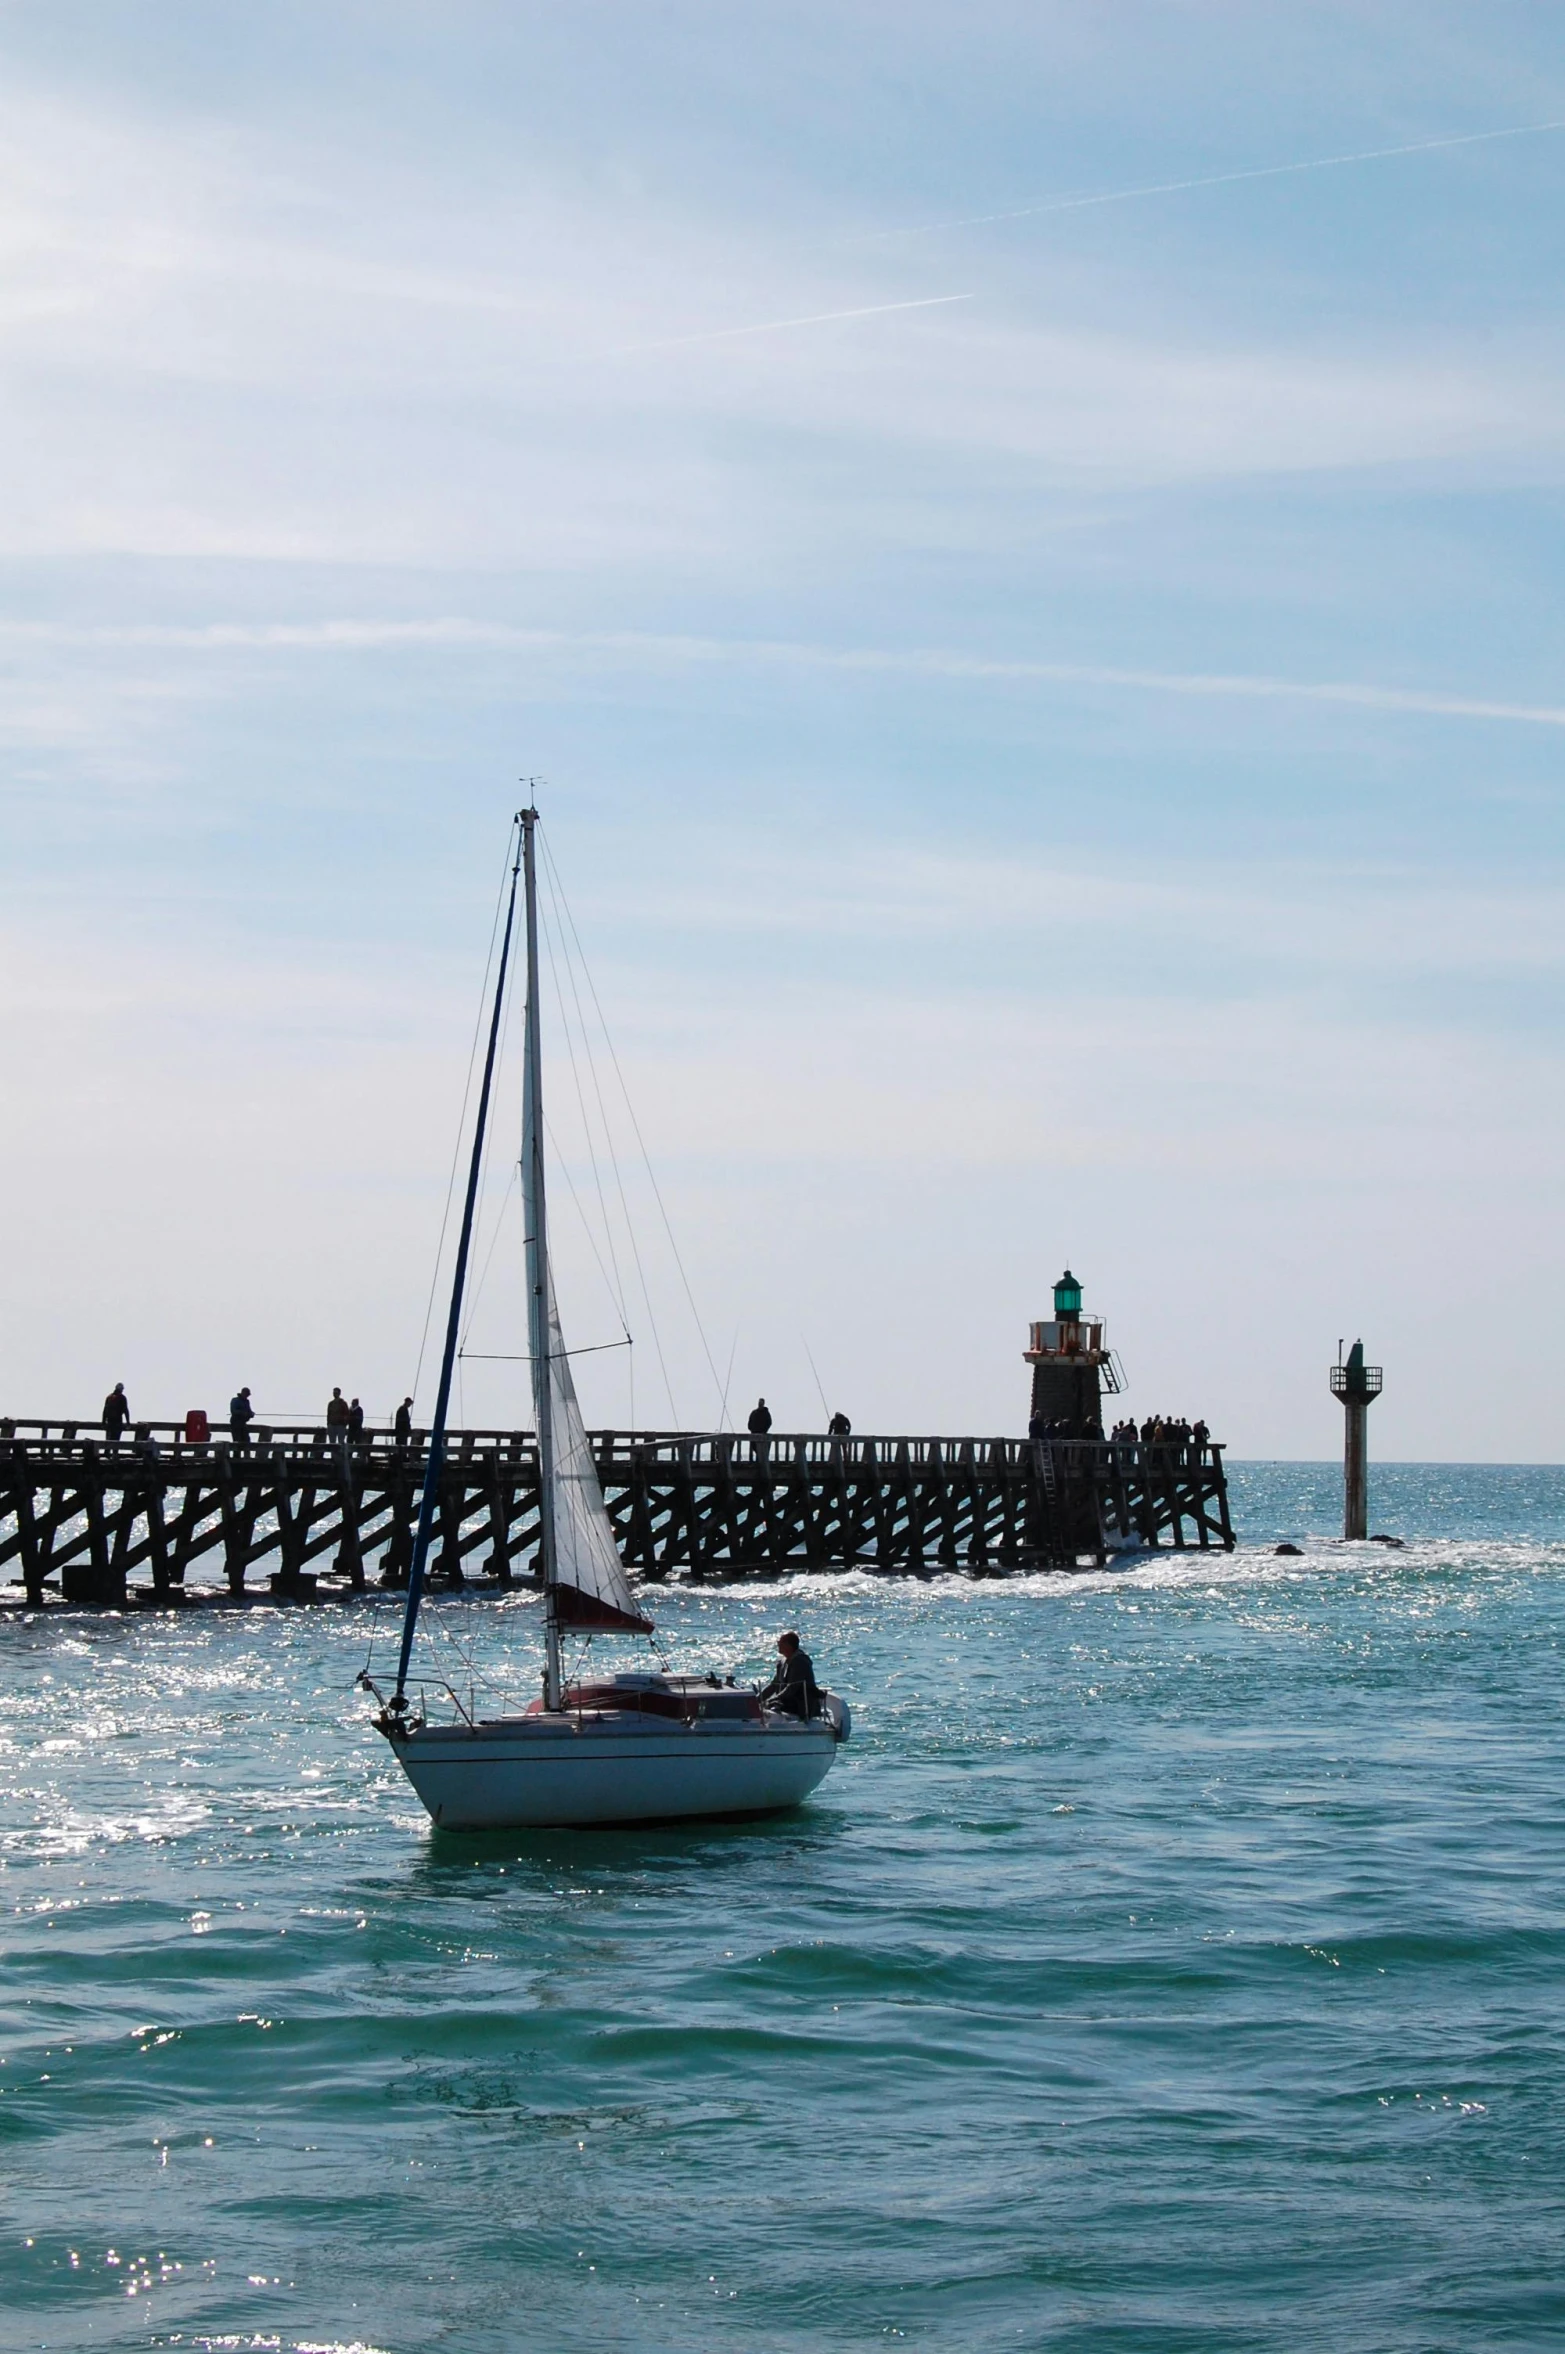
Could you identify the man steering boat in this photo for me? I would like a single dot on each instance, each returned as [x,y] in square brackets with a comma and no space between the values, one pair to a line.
[793,1690]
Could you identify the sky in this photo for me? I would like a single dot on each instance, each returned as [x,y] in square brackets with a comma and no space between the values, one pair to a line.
[1022,546]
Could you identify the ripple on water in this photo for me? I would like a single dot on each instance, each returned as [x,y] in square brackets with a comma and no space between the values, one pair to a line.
[1172,1960]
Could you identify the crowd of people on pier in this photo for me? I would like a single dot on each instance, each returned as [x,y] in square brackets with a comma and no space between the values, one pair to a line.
[1162,1430]
[1043,1426]
[1159,1430]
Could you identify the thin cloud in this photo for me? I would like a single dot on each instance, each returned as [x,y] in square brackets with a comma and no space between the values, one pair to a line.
[436,633]
[873,310]
[1268,171]
[1362,694]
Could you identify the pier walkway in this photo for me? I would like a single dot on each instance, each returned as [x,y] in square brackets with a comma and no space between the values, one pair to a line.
[80,1518]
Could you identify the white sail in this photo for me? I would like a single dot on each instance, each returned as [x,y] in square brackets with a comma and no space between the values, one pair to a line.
[591,1588]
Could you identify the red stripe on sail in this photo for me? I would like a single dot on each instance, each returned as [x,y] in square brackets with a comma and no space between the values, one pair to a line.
[573,1608]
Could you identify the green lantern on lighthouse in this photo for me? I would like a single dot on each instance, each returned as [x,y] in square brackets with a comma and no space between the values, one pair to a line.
[1072,1367]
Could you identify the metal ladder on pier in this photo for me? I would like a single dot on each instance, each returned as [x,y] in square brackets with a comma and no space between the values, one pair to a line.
[1052,1546]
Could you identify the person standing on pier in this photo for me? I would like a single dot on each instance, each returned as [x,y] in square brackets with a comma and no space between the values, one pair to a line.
[337,1422]
[839,1427]
[402,1428]
[116,1413]
[240,1413]
[356,1424]
[759,1425]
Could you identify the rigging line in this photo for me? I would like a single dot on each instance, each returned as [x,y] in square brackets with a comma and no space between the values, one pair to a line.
[558,887]
[825,1408]
[517,844]
[456,1153]
[615,1286]
[499,1226]
[565,919]
[551,876]
[729,1375]
[570,970]
[562,908]
[470,1306]
[645,1155]
[562,1169]
[443,1634]
[587,1124]
[635,1248]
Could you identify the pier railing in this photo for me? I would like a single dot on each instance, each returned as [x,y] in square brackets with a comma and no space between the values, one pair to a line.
[79,1513]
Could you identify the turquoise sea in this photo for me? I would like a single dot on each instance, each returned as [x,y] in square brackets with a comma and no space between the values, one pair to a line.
[1175,1960]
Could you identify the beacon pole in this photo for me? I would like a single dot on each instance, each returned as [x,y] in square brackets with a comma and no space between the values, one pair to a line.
[1357,1386]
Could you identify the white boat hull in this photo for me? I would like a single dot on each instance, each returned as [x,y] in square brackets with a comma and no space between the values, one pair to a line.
[543,1771]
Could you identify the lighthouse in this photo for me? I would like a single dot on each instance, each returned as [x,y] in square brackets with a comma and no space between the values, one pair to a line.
[1358,1386]
[1071,1364]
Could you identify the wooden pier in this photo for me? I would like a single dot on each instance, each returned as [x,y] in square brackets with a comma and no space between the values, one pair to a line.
[317,1517]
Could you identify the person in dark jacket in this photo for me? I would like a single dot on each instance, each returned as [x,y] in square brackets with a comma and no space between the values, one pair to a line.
[839,1427]
[356,1423]
[116,1413]
[793,1690]
[402,1428]
[240,1415]
[760,1421]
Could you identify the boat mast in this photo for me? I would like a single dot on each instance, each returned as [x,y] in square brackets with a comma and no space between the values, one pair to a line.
[538,1323]
[435,1461]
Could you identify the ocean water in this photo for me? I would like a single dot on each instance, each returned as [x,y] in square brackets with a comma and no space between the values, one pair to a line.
[1174,1960]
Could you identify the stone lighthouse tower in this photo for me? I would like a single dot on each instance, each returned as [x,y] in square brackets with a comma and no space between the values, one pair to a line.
[1071,1364]
[1358,1386]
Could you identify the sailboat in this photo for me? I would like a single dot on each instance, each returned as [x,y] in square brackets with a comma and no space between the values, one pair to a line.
[631,1748]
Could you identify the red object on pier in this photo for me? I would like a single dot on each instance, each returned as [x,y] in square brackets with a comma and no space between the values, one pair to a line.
[197,1429]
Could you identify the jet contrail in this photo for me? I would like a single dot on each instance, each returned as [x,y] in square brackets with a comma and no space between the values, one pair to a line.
[873,310]
[439,633]
[1265,171]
